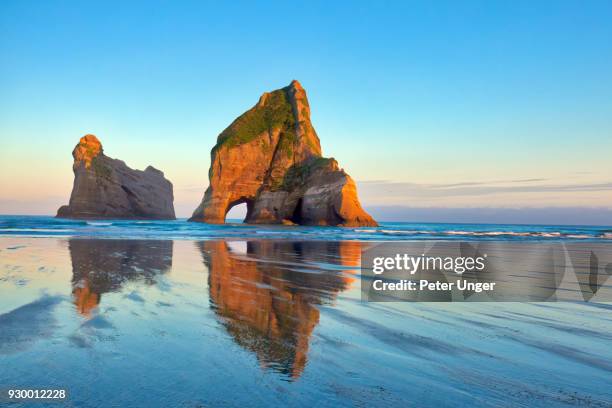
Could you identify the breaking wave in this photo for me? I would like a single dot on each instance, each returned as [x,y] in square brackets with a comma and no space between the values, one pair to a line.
[387,231]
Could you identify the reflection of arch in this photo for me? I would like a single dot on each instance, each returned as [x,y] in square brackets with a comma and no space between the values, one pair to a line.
[84,299]
[241,200]
[266,304]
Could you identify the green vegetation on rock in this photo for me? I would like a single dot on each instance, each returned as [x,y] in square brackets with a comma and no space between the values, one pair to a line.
[297,174]
[100,169]
[276,112]
[286,142]
[91,151]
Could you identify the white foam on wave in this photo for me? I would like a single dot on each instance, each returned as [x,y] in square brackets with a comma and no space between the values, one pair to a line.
[547,234]
[536,234]
[516,234]
[99,223]
[391,232]
[35,230]
[471,233]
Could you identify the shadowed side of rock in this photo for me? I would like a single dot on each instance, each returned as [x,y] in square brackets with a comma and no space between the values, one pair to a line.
[107,188]
[270,158]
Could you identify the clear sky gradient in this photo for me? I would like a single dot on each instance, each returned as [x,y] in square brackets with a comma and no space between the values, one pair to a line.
[454,105]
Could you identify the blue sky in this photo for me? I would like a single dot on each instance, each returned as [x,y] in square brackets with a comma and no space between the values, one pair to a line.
[427,96]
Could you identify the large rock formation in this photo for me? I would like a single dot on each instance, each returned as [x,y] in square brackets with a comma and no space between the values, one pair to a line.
[270,158]
[108,188]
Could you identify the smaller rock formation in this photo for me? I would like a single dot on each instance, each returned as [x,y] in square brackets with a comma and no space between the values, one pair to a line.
[108,188]
[270,158]
[102,266]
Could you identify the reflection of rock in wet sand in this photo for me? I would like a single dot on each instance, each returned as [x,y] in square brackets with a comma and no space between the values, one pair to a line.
[103,265]
[268,292]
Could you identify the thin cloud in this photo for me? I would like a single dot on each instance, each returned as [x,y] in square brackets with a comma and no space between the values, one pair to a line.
[496,215]
[478,188]
[484,183]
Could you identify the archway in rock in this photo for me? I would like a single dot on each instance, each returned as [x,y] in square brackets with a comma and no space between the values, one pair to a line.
[296,217]
[238,211]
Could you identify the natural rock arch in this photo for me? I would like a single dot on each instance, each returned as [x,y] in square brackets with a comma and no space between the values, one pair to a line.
[243,200]
[271,156]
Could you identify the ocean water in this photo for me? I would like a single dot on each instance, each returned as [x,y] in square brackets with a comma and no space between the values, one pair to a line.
[192,315]
[387,231]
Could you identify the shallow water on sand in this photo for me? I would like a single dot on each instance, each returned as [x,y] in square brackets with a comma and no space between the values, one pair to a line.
[162,323]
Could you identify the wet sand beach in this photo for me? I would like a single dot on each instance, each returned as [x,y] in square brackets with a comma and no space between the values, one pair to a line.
[133,322]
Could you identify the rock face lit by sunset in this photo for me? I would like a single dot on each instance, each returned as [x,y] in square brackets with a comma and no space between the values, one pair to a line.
[270,158]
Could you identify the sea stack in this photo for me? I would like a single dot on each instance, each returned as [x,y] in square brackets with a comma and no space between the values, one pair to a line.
[107,188]
[270,158]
